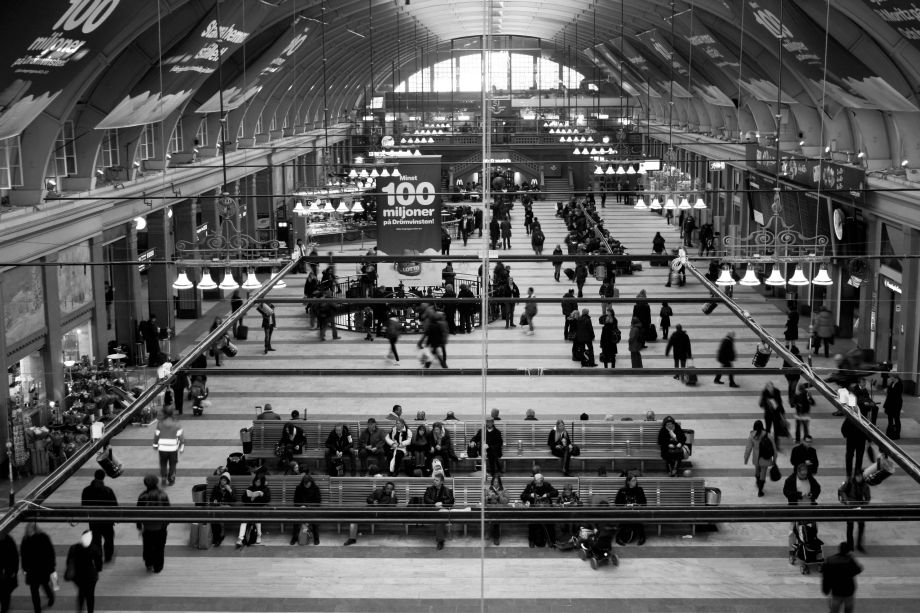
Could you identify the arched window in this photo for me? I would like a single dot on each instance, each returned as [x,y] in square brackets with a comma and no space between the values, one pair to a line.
[519,72]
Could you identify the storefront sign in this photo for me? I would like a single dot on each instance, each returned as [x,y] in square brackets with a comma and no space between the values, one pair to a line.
[145,259]
[409,221]
[840,180]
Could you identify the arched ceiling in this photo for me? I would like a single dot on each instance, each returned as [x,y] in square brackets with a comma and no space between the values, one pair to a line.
[121,63]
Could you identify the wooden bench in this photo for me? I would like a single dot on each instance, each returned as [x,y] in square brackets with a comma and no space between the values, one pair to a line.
[676,491]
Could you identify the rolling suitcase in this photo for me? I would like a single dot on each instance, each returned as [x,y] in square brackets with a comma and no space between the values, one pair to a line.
[200,536]
[242,332]
[230,350]
[709,307]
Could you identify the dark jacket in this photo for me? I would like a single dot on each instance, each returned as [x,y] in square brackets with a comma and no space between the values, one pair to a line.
[258,485]
[667,444]
[803,455]
[776,397]
[643,312]
[792,494]
[630,496]
[221,496]
[505,229]
[38,558]
[336,443]
[493,440]
[839,575]
[153,498]
[894,397]
[570,306]
[375,439]
[609,336]
[268,321]
[726,354]
[636,336]
[791,331]
[563,442]
[86,561]
[854,494]
[679,341]
[9,563]
[442,494]
[293,435]
[584,329]
[447,447]
[98,494]
[307,494]
[380,497]
[534,492]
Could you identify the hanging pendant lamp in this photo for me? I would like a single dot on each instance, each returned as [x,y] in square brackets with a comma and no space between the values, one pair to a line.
[776,277]
[251,282]
[822,278]
[750,278]
[798,278]
[229,282]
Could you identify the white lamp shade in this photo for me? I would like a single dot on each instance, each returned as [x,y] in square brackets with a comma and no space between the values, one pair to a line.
[684,204]
[725,278]
[374,173]
[358,207]
[561,139]
[229,282]
[251,282]
[182,282]
[630,170]
[822,278]
[776,277]
[700,203]
[140,222]
[750,278]
[395,173]
[610,171]
[577,151]
[363,174]
[342,208]
[641,170]
[384,173]
[314,207]
[640,204]
[620,170]
[207,282]
[798,277]
[328,208]
[298,208]
[656,204]
[280,284]
[430,140]
[353,174]
[598,170]
[669,204]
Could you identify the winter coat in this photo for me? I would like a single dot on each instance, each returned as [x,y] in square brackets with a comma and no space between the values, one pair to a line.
[792,493]
[665,315]
[9,563]
[584,330]
[894,397]
[439,493]
[824,324]
[38,558]
[753,446]
[608,336]
[307,494]
[679,341]
[86,561]
[791,332]
[643,312]
[726,354]
[153,498]
[293,435]
[636,336]
[630,496]
[336,443]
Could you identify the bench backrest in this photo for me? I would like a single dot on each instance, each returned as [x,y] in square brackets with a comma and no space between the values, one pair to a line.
[353,491]
[658,492]
[267,433]
[468,490]
[282,487]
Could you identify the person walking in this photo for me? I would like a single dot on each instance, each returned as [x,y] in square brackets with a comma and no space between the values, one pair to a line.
[760,445]
[236,303]
[84,558]
[680,343]
[9,571]
[725,356]
[791,331]
[584,337]
[467,309]
[636,336]
[570,313]
[855,492]
[267,311]
[494,233]
[169,441]
[838,579]
[557,263]
[824,328]
[530,311]
[642,310]
[393,330]
[665,319]
[771,401]
[801,486]
[537,238]
[581,276]
[153,533]
[855,446]
[894,402]
[506,232]
[98,494]
[38,563]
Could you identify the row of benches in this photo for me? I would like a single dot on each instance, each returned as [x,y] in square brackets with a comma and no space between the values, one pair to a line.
[523,440]
[353,491]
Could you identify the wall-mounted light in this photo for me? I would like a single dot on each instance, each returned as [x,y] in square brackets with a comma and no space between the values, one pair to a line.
[140,223]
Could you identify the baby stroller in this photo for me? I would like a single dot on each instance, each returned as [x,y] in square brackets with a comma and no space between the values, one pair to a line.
[805,548]
[596,546]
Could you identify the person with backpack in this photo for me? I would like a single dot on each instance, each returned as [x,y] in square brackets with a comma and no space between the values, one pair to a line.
[537,238]
[761,446]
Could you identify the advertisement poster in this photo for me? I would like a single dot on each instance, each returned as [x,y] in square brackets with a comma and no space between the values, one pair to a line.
[409,221]
[839,180]
[48,43]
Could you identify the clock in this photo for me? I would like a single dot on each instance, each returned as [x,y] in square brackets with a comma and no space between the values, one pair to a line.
[387,141]
[839,219]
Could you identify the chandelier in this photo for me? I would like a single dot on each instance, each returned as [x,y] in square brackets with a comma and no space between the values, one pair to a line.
[675,188]
[776,244]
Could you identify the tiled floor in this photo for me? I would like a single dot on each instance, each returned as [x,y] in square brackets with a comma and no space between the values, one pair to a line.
[736,568]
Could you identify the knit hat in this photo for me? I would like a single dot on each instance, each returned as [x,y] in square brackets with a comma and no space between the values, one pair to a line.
[226,475]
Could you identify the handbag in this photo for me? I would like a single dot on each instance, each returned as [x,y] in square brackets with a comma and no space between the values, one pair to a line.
[70,573]
[687,451]
[775,475]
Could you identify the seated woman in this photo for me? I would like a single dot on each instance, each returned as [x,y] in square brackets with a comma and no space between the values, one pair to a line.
[496,495]
[671,440]
[398,440]
[340,448]
[291,444]
[257,494]
[560,445]
[418,448]
[440,448]
[222,495]
[631,495]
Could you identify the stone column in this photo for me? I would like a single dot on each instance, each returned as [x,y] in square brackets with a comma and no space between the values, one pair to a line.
[127,311]
[185,228]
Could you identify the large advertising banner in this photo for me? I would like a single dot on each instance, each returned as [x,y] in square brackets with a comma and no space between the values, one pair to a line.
[409,221]
[47,43]
[186,67]
[902,15]
[839,180]
[656,43]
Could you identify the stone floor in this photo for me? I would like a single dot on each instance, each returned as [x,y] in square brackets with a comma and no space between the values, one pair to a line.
[737,567]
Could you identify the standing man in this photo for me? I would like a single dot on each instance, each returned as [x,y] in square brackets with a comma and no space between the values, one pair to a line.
[584,336]
[855,492]
[466,309]
[153,533]
[838,580]
[98,494]
[150,333]
[236,303]
[325,314]
[169,441]
[439,496]
[568,308]
[300,250]
[506,232]
[804,453]
[635,342]
[267,310]
[725,357]
[680,343]
[557,264]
